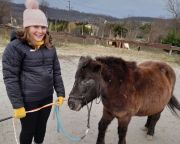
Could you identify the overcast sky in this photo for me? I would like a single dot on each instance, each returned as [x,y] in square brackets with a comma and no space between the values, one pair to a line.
[116,8]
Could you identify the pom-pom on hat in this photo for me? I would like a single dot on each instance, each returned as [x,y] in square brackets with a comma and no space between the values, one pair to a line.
[33,15]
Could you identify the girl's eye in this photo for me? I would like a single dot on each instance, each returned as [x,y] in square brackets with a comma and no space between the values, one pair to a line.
[43,27]
[35,26]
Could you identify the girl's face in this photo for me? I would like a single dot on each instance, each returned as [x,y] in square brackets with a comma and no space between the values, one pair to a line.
[37,32]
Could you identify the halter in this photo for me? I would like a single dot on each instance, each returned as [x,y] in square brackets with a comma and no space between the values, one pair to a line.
[83,98]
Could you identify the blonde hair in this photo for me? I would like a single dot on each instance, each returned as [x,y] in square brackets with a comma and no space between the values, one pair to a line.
[24,36]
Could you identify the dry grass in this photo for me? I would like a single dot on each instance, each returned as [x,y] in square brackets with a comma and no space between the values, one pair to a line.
[133,54]
[98,50]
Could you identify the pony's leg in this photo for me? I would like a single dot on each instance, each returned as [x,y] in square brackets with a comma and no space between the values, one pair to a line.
[103,124]
[147,124]
[122,128]
[152,123]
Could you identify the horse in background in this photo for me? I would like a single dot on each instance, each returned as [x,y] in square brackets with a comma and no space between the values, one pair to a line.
[126,90]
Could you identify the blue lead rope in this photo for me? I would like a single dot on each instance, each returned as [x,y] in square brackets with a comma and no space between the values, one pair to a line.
[60,128]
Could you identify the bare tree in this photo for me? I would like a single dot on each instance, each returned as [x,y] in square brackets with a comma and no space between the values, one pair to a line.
[132,27]
[159,30]
[4,11]
[173,6]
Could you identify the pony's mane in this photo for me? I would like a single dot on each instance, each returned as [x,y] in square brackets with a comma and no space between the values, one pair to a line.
[111,61]
[115,61]
[118,66]
[83,61]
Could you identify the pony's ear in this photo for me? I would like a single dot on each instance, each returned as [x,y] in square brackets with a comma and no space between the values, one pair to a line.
[106,73]
[96,67]
[83,61]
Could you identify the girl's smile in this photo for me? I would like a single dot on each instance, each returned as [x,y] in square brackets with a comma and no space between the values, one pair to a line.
[37,32]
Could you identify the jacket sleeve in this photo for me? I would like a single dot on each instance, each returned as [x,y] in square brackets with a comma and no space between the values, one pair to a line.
[58,82]
[11,66]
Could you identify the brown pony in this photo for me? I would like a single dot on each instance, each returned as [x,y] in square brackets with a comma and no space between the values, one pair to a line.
[126,90]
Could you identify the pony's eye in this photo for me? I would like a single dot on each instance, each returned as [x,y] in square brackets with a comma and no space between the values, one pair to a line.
[89,82]
[85,89]
[83,83]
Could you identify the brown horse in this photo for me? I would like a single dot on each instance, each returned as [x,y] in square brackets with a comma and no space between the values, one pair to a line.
[126,90]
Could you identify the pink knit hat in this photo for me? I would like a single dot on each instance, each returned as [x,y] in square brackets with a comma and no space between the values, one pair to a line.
[33,15]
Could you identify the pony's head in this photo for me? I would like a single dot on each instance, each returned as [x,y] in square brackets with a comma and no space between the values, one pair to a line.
[94,77]
[86,86]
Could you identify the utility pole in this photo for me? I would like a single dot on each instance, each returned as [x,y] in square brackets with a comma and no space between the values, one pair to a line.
[69,5]
[69,8]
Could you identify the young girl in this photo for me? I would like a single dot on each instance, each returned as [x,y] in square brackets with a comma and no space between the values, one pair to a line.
[31,72]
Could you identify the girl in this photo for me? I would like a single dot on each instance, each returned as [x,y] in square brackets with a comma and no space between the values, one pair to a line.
[31,71]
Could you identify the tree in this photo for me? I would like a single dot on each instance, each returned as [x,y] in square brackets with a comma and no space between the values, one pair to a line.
[172,38]
[173,6]
[119,30]
[145,30]
[4,11]
[159,30]
[133,28]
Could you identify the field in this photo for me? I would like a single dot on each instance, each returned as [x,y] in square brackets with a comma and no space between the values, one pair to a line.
[167,130]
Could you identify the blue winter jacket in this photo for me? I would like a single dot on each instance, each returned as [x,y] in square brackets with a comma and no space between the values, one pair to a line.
[29,74]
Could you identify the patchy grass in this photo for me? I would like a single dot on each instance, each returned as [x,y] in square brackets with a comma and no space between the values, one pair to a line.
[133,54]
[98,50]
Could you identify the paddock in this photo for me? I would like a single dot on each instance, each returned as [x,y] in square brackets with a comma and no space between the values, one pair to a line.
[167,129]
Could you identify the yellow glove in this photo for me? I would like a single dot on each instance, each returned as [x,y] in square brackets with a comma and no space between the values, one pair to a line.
[60,100]
[19,113]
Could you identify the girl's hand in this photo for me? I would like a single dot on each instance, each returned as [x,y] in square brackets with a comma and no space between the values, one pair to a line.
[19,113]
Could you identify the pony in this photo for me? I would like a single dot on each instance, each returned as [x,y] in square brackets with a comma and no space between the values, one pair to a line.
[126,89]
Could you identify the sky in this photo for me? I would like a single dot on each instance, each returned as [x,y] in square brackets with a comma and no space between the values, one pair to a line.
[115,8]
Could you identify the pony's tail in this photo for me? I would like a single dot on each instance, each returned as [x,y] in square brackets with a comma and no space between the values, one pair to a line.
[174,105]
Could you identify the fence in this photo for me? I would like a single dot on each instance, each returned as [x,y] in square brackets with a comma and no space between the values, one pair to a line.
[60,38]
[166,47]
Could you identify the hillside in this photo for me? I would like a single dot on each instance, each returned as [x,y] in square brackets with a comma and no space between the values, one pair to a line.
[59,14]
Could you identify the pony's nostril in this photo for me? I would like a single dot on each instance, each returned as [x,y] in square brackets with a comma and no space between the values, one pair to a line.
[71,105]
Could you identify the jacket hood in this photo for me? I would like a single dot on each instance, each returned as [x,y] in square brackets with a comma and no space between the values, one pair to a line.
[13,35]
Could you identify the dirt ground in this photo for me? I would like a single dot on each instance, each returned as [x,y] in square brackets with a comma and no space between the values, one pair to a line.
[167,129]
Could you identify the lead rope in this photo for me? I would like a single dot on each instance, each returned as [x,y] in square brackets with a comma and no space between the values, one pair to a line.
[31,111]
[14,128]
[60,127]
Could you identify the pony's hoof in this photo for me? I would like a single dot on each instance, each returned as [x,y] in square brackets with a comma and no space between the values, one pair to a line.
[98,142]
[144,129]
[149,137]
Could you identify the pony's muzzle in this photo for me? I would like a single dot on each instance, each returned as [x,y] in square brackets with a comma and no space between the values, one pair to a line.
[71,104]
[74,104]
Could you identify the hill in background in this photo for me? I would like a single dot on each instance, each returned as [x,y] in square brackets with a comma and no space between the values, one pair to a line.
[59,14]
